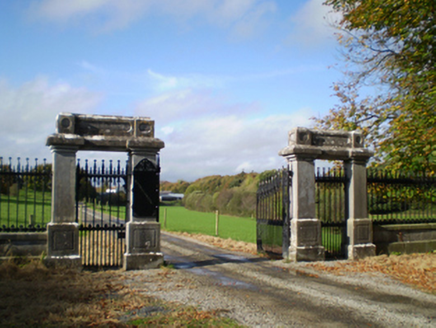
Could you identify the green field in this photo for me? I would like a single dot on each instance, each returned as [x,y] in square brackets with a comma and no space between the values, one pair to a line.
[181,219]
[16,210]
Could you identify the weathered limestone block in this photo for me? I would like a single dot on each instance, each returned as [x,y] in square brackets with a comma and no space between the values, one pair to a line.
[306,242]
[143,246]
[63,245]
[304,146]
[104,132]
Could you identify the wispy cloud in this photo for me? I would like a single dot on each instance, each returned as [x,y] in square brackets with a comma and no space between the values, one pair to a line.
[312,25]
[243,17]
[162,83]
[91,68]
[215,136]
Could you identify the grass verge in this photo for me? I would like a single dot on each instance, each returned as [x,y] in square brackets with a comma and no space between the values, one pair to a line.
[417,270]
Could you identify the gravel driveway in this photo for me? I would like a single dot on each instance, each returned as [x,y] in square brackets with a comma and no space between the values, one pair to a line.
[258,292]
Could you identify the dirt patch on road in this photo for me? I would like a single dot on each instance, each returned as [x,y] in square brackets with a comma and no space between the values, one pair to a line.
[229,244]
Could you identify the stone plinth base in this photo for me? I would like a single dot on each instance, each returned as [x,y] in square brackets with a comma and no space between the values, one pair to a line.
[356,252]
[143,261]
[63,239]
[69,262]
[306,242]
[359,231]
[306,253]
[143,246]
[360,236]
[143,237]
[63,245]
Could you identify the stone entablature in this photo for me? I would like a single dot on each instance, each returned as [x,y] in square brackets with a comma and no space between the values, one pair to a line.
[104,132]
[327,145]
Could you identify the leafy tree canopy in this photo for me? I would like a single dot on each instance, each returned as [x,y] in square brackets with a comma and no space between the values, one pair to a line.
[391,44]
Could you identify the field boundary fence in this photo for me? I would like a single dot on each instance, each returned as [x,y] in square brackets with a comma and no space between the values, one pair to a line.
[25,195]
[401,198]
[392,198]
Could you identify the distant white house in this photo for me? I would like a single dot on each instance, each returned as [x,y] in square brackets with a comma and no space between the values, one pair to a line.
[167,196]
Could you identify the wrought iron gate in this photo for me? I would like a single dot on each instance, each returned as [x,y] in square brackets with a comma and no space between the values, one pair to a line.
[331,211]
[101,203]
[273,217]
[272,214]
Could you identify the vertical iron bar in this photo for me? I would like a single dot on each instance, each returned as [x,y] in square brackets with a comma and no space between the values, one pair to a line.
[9,191]
[43,191]
[25,182]
[78,189]
[5,186]
[110,190]
[93,179]
[119,190]
[102,195]
[35,184]
[18,169]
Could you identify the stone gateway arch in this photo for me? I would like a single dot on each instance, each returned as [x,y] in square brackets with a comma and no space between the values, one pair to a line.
[133,135]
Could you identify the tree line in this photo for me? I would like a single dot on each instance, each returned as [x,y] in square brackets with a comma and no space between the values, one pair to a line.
[229,194]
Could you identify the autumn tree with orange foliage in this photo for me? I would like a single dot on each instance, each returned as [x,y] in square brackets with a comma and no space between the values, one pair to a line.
[390,44]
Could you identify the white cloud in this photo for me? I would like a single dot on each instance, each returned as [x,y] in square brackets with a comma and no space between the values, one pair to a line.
[106,14]
[29,112]
[162,83]
[211,136]
[167,130]
[91,68]
[312,24]
[189,104]
[243,16]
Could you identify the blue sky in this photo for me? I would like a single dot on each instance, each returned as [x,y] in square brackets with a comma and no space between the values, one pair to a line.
[224,80]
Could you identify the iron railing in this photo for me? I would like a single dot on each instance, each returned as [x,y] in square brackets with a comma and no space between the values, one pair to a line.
[401,198]
[25,195]
[392,199]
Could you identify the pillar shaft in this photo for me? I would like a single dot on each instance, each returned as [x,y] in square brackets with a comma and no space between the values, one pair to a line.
[63,184]
[63,231]
[302,188]
[359,226]
[306,244]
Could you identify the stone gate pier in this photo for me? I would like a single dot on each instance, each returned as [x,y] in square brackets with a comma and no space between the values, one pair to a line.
[305,146]
[133,135]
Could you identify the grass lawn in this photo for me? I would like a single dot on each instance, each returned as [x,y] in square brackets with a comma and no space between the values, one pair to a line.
[183,220]
[16,211]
